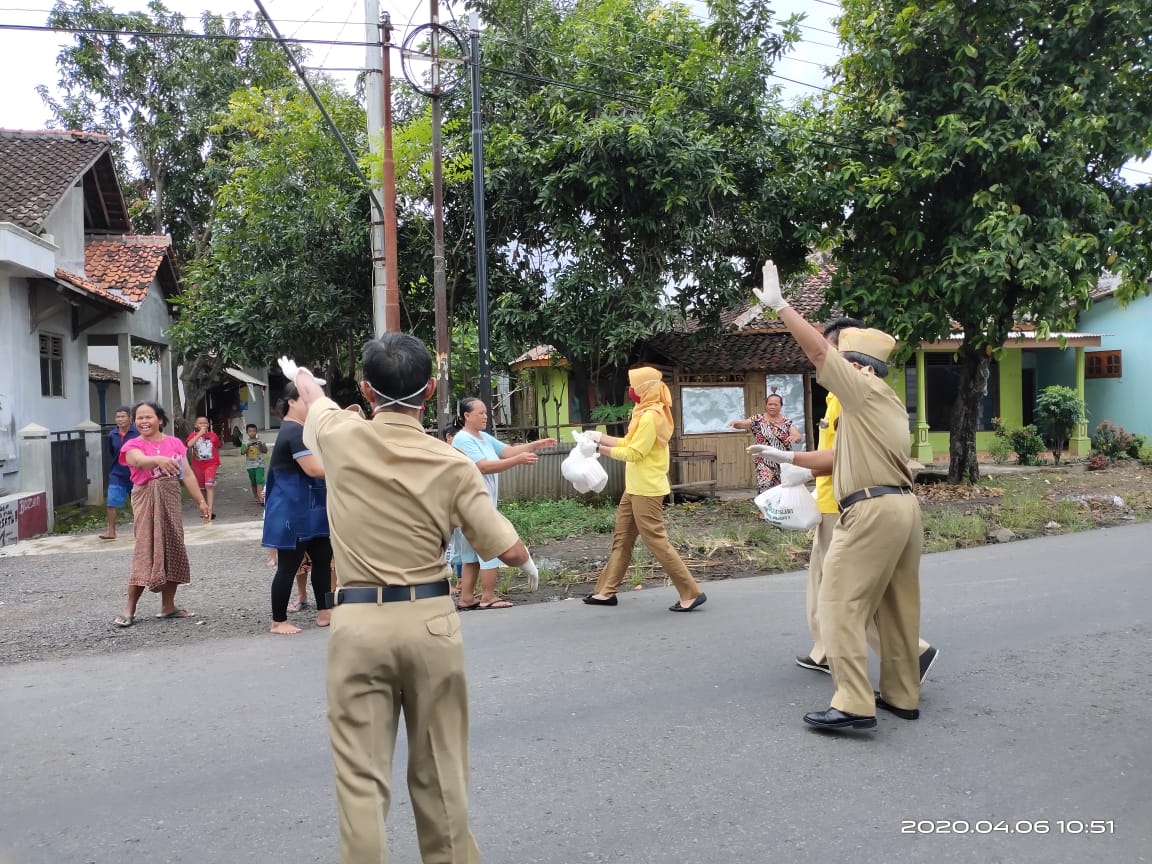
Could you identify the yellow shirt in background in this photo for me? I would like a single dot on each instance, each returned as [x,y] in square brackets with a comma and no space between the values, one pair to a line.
[825,497]
[646,473]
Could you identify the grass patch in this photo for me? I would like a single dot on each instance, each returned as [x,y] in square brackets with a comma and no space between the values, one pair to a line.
[77,519]
[950,530]
[1026,514]
[541,521]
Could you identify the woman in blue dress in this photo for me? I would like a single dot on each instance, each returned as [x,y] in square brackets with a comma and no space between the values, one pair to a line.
[492,456]
[296,515]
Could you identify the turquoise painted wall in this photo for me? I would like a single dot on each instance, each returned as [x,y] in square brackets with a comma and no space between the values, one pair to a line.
[1127,400]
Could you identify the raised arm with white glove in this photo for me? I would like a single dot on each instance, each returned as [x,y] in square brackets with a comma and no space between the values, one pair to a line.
[290,370]
[770,295]
[771,453]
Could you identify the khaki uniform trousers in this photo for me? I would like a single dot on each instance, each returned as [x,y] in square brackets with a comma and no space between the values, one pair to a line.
[643,516]
[820,545]
[872,569]
[383,660]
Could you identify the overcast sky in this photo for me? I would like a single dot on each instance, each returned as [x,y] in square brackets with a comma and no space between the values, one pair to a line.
[28,59]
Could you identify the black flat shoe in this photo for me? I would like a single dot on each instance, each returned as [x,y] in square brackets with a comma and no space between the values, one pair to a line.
[835,719]
[700,600]
[902,713]
[596,601]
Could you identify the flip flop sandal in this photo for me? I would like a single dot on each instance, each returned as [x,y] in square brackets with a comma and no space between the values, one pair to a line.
[124,620]
[177,613]
[295,606]
[498,603]
[461,607]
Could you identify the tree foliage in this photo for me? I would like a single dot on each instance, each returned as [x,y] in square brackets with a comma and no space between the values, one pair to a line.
[287,269]
[158,98]
[635,171]
[979,150]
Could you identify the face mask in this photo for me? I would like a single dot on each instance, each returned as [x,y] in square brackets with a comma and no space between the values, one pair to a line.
[633,395]
[405,401]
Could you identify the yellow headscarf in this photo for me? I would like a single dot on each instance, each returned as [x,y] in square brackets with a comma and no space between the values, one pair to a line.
[655,398]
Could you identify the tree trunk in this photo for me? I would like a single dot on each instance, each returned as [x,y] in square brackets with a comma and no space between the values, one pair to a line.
[962,464]
[198,374]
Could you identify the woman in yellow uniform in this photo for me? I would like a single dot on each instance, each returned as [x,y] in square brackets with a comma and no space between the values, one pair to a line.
[641,512]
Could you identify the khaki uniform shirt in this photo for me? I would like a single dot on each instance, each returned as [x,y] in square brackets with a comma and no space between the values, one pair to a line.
[394,495]
[872,439]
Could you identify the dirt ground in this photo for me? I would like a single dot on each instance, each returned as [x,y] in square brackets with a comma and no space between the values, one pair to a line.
[59,594]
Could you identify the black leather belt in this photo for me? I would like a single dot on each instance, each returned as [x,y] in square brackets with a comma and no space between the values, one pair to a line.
[388,593]
[871,492]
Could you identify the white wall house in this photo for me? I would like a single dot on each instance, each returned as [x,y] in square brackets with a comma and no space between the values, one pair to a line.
[73,280]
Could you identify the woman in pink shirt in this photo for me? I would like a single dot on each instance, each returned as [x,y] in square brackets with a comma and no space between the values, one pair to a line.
[156,465]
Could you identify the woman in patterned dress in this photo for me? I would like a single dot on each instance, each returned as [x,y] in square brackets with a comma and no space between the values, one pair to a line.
[775,430]
[157,466]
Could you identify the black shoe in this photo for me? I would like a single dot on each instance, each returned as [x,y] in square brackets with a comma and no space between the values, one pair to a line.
[902,713]
[700,600]
[596,601]
[927,659]
[808,663]
[835,719]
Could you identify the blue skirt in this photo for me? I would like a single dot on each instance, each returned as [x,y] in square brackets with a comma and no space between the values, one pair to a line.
[295,509]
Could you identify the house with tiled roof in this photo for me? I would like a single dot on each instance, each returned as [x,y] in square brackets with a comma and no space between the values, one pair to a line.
[727,375]
[76,286]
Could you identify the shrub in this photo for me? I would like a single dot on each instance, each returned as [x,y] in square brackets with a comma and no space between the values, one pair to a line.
[1145,456]
[1095,463]
[1060,411]
[1112,441]
[1139,443]
[1025,442]
[1000,450]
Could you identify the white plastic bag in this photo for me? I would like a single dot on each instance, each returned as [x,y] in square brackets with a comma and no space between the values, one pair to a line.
[789,506]
[585,473]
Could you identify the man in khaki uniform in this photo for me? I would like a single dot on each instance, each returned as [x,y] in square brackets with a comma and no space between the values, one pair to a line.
[820,462]
[872,566]
[394,496]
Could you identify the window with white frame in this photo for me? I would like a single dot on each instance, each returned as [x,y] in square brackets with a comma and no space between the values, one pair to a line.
[51,365]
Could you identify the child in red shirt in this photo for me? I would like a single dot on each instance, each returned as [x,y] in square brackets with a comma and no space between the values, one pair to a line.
[204,447]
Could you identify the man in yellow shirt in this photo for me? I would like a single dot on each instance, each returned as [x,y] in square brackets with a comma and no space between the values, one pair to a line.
[641,512]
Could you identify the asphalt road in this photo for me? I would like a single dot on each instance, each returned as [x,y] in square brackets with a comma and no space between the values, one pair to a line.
[634,735]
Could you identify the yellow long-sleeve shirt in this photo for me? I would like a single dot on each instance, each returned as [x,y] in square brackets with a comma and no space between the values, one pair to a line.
[646,473]
[825,497]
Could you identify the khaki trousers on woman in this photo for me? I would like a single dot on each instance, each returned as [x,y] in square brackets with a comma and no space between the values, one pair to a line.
[643,516]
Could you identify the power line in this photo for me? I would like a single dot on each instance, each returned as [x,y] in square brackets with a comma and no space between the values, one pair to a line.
[347,22]
[161,34]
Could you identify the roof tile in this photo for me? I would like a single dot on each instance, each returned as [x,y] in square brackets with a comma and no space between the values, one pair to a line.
[92,288]
[37,168]
[127,264]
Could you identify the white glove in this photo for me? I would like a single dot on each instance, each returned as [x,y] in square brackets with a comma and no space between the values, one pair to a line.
[770,294]
[290,370]
[587,447]
[771,453]
[529,568]
[593,435]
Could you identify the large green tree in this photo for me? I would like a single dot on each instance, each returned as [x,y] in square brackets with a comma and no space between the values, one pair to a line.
[636,169]
[979,148]
[287,268]
[158,97]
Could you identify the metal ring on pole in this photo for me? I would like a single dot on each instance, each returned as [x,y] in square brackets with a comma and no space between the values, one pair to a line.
[407,52]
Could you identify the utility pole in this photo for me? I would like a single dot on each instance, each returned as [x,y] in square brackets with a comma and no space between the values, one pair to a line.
[440,290]
[478,217]
[378,99]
